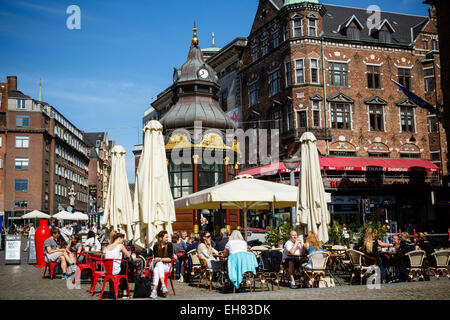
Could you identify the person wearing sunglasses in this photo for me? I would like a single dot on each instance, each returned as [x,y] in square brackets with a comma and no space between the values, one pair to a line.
[206,251]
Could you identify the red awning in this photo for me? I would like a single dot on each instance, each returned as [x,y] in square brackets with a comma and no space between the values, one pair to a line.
[352,164]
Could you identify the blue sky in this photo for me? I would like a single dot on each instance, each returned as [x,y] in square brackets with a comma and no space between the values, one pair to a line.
[105,75]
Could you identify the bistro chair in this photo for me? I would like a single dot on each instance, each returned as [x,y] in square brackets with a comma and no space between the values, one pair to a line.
[50,265]
[114,278]
[358,264]
[241,267]
[415,260]
[95,274]
[206,273]
[196,265]
[442,259]
[83,263]
[148,272]
[319,261]
[271,265]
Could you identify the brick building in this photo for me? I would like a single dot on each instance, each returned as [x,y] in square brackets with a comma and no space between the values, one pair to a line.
[45,158]
[99,153]
[328,69]
[3,109]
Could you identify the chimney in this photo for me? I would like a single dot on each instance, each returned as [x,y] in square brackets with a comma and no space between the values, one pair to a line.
[12,83]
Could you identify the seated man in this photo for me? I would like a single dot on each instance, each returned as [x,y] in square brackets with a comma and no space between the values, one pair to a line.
[220,245]
[56,254]
[292,247]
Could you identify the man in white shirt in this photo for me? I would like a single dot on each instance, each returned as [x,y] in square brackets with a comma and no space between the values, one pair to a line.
[291,255]
[66,232]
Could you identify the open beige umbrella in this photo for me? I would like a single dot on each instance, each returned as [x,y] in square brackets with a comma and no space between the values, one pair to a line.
[36,214]
[153,203]
[243,193]
[312,209]
[118,206]
[80,216]
[64,215]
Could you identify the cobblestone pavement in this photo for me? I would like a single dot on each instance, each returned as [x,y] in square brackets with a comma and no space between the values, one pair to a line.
[24,282]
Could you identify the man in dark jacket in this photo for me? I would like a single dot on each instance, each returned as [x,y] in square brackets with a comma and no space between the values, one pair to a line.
[220,245]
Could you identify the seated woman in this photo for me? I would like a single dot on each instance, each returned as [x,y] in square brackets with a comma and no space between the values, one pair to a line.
[207,252]
[429,260]
[163,255]
[312,244]
[92,243]
[370,248]
[74,246]
[116,250]
[236,243]
[178,247]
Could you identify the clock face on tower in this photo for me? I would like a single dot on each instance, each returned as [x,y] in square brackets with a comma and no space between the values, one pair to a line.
[203,73]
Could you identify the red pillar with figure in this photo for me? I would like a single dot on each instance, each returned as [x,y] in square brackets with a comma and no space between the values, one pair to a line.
[42,234]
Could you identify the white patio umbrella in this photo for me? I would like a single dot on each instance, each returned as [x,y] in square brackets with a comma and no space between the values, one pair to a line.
[244,193]
[153,203]
[64,215]
[119,206]
[36,214]
[312,209]
[80,216]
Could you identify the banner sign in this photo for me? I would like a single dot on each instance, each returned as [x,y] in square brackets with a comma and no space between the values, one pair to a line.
[12,249]
[31,250]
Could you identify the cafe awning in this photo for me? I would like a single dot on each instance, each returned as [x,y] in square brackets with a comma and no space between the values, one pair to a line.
[351,164]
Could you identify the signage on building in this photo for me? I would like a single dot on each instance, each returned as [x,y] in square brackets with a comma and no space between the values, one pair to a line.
[12,249]
[235,115]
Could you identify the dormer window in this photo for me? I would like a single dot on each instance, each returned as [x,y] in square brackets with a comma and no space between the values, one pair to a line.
[384,36]
[312,28]
[298,28]
[353,33]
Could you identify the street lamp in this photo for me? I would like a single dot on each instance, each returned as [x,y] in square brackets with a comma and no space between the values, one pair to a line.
[292,164]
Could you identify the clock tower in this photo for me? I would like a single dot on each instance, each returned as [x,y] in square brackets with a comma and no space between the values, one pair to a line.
[195,98]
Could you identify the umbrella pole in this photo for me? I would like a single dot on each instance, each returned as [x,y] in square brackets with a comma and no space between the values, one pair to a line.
[245,224]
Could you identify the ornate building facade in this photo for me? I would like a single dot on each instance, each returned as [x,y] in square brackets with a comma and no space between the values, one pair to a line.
[327,69]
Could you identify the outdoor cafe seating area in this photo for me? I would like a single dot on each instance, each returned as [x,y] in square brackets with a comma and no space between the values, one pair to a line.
[332,266]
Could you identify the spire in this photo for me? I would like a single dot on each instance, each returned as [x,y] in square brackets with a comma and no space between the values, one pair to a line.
[194,38]
[213,43]
[40,90]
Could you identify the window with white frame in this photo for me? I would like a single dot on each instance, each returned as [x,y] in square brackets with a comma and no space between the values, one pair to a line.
[286,34]
[384,36]
[338,74]
[253,93]
[376,120]
[22,142]
[277,121]
[265,46]
[314,66]
[298,27]
[274,82]
[275,39]
[299,71]
[287,70]
[21,163]
[21,104]
[312,28]
[429,79]
[255,53]
[290,120]
[434,44]
[316,113]
[302,119]
[407,119]
[340,115]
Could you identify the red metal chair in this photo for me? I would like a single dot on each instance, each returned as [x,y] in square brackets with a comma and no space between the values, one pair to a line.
[85,265]
[167,275]
[50,265]
[95,274]
[115,278]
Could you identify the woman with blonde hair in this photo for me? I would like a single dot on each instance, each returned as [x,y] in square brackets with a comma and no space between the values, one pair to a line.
[370,247]
[236,243]
[312,244]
